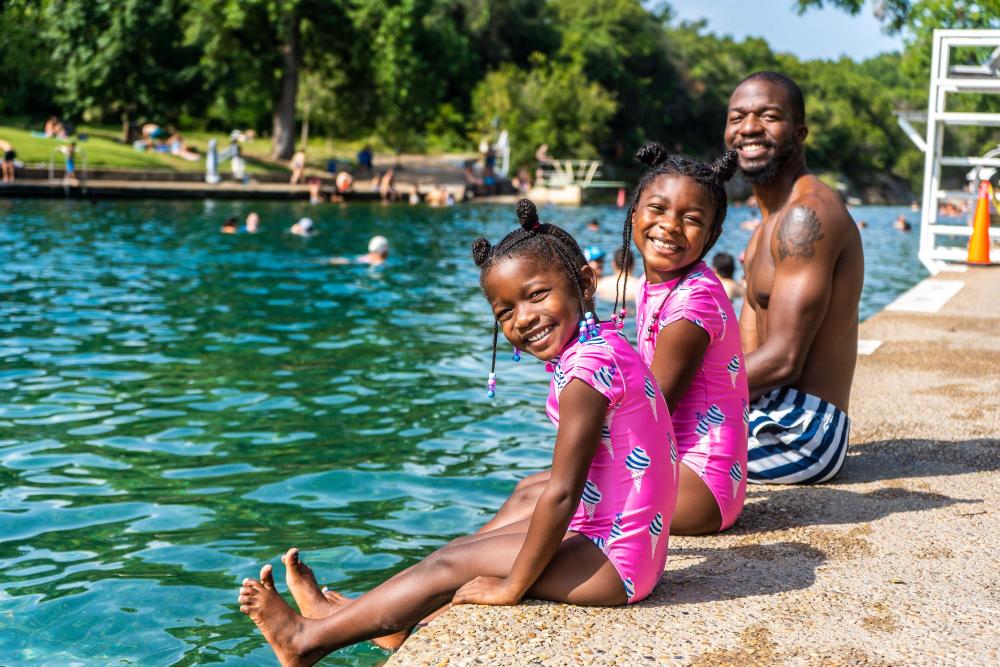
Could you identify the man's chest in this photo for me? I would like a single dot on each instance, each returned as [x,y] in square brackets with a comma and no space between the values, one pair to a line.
[760,271]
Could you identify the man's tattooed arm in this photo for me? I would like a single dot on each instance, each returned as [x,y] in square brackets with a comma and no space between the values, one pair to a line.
[798,233]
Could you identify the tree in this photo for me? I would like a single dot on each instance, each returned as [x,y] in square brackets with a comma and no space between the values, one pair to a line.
[552,103]
[255,48]
[125,57]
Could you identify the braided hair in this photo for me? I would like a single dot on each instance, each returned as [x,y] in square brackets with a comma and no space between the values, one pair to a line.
[711,177]
[542,242]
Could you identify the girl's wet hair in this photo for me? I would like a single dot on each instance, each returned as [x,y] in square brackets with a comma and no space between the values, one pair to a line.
[538,241]
[661,162]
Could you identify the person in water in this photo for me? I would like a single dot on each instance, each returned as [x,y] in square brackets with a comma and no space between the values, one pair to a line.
[804,272]
[725,267]
[598,534]
[378,252]
[607,286]
[688,336]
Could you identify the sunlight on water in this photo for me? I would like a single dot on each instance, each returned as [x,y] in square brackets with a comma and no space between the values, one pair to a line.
[179,407]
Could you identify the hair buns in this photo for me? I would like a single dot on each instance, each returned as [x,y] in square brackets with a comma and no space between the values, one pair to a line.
[725,166]
[652,154]
[481,250]
[527,214]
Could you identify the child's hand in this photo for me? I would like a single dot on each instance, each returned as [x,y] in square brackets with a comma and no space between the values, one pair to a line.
[487,590]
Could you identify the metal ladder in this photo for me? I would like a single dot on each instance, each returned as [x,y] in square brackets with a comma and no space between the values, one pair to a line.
[948,79]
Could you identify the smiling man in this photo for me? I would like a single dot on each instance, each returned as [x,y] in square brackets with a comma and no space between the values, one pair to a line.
[805,270]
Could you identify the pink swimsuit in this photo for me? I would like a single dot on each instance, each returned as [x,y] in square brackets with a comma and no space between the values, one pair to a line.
[710,420]
[631,487]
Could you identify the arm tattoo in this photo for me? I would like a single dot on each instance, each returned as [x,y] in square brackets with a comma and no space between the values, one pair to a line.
[798,232]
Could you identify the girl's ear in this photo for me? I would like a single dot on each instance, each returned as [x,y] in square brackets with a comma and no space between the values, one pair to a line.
[588,281]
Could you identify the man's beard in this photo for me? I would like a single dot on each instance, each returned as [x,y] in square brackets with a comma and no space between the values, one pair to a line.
[765,173]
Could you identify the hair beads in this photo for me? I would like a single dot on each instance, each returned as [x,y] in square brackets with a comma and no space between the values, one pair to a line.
[542,242]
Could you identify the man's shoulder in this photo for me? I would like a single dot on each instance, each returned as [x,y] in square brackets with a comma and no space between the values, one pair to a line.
[810,194]
[813,221]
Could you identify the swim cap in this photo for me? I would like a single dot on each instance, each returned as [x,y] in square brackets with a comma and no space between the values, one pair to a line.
[379,244]
[593,253]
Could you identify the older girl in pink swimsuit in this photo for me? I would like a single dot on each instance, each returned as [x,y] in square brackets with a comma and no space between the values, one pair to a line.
[688,333]
[598,533]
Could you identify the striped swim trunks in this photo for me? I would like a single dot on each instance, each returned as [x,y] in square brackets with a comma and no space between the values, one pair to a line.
[795,438]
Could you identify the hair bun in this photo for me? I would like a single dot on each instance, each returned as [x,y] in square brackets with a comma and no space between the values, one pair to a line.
[481,250]
[527,214]
[725,166]
[652,154]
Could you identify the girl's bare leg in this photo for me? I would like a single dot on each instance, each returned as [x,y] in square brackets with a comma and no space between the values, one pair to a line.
[697,511]
[315,602]
[521,503]
[579,573]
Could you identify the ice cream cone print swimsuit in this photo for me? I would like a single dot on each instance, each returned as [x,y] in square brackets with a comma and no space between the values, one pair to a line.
[631,488]
[711,418]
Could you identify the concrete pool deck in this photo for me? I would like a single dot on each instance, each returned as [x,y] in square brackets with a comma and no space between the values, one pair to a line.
[894,563]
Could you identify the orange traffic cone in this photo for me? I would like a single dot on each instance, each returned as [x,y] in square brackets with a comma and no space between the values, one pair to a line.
[979,242]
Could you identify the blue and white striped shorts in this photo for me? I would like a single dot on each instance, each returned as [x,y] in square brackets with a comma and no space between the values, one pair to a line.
[795,438]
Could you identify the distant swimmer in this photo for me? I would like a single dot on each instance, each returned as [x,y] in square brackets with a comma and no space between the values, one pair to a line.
[304,227]
[724,267]
[229,226]
[805,269]
[595,257]
[252,223]
[607,285]
[902,224]
[378,252]
[593,225]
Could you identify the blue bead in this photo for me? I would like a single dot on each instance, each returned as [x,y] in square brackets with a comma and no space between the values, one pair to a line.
[490,394]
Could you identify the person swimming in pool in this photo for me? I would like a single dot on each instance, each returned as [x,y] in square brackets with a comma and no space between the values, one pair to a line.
[598,534]
[378,252]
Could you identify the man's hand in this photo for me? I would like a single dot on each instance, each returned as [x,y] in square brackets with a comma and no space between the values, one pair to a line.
[487,590]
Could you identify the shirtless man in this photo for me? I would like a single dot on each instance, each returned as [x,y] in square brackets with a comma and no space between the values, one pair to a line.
[805,270]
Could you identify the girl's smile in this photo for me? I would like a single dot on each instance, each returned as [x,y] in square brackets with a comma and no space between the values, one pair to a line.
[671,224]
[536,305]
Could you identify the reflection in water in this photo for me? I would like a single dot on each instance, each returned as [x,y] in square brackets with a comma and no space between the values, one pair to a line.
[179,406]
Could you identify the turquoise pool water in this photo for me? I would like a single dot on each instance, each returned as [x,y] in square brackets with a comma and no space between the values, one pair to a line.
[178,407]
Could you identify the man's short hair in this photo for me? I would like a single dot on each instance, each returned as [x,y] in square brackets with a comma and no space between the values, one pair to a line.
[791,89]
[723,264]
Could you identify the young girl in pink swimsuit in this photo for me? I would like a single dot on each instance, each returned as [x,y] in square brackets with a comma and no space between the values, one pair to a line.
[598,534]
[688,333]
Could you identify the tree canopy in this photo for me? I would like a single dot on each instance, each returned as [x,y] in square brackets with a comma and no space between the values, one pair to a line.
[588,77]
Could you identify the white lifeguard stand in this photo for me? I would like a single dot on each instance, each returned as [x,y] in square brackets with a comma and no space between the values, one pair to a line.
[948,79]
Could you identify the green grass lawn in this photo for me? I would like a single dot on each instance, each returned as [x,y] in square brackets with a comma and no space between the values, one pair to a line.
[102,148]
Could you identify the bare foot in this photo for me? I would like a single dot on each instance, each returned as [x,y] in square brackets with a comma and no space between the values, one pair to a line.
[280,625]
[316,603]
[304,589]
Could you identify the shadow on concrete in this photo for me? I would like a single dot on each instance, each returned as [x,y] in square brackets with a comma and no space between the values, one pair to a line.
[896,459]
[737,572]
[771,508]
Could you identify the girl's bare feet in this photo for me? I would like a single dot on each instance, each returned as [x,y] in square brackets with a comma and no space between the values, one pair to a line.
[316,603]
[304,589]
[280,624]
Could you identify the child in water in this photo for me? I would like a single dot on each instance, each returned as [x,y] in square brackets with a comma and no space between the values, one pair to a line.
[687,334]
[597,535]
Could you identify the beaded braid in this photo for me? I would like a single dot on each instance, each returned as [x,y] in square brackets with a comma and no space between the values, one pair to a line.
[712,177]
[552,239]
